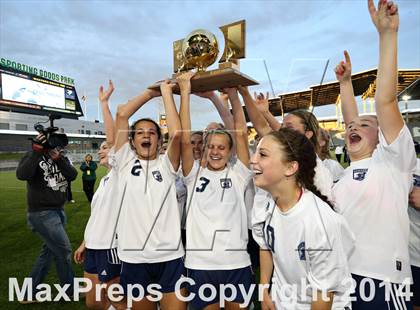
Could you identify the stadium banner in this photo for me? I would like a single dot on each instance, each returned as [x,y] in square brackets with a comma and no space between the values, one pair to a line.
[27,89]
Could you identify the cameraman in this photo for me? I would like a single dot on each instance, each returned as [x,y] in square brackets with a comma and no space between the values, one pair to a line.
[47,173]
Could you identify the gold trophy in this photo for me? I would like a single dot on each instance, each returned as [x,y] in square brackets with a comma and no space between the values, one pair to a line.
[200,50]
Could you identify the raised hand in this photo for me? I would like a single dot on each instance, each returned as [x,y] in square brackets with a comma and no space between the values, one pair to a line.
[243,89]
[104,95]
[261,102]
[184,81]
[343,69]
[223,97]
[230,91]
[385,18]
[166,86]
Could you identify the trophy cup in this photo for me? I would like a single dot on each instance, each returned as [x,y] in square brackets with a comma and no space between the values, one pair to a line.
[200,50]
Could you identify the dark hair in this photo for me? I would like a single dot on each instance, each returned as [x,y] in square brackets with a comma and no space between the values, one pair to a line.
[199,133]
[218,132]
[324,151]
[297,147]
[133,127]
[310,123]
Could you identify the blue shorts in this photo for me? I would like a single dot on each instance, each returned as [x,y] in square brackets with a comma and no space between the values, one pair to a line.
[378,295]
[166,274]
[415,288]
[104,263]
[215,278]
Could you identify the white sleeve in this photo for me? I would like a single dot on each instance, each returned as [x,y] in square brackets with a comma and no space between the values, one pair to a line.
[260,213]
[119,159]
[189,179]
[325,255]
[400,153]
[323,179]
[167,165]
[243,172]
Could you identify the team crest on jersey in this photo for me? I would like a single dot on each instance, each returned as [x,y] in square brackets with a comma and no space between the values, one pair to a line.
[157,176]
[416,180]
[226,183]
[301,250]
[359,174]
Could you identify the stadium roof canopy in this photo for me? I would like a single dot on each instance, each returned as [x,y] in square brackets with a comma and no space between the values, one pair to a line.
[412,91]
[364,84]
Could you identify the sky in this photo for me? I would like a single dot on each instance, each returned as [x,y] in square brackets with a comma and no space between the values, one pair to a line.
[130,42]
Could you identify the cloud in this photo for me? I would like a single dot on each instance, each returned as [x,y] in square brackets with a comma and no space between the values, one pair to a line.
[131,41]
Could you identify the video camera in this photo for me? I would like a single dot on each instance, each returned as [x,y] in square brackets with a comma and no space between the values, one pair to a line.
[53,139]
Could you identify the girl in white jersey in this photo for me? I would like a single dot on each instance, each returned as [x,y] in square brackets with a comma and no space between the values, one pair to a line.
[216,251]
[149,231]
[302,238]
[98,250]
[373,192]
[301,120]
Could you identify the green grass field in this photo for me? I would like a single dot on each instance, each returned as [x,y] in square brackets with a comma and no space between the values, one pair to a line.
[20,246]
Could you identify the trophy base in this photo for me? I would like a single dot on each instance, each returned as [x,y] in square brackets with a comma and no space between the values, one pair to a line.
[214,80]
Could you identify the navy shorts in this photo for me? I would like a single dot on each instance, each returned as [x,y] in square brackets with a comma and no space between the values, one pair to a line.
[104,263]
[379,295]
[415,288]
[166,274]
[215,278]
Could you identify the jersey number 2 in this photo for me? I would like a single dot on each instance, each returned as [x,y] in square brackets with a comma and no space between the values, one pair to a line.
[136,168]
[203,185]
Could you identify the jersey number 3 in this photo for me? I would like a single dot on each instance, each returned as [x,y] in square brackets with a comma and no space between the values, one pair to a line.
[203,185]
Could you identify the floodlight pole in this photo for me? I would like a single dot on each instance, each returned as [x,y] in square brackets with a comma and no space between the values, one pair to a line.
[269,79]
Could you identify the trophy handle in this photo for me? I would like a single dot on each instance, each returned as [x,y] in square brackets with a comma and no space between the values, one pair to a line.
[230,54]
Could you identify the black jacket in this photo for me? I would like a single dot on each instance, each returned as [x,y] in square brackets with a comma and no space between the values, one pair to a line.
[46,180]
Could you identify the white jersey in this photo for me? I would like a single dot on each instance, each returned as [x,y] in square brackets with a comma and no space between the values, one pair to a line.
[249,196]
[149,224]
[323,181]
[100,232]
[414,215]
[310,244]
[217,230]
[373,197]
[334,167]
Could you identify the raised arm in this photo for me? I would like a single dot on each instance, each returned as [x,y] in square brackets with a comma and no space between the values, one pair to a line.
[125,111]
[241,130]
[260,124]
[386,21]
[221,108]
[184,112]
[348,102]
[106,113]
[262,105]
[173,123]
